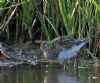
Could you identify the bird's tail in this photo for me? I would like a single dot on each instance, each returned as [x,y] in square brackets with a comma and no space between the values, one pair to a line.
[85,40]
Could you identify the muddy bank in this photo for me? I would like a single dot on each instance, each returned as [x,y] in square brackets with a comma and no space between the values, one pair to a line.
[17,54]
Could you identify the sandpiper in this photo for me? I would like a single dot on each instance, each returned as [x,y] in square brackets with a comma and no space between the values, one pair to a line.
[62,48]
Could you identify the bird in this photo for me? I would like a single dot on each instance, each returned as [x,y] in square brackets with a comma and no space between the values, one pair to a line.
[62,48]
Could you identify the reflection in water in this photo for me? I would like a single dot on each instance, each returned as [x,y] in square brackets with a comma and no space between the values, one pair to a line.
[60,77]
[33,75]
[22,75]
[68,79]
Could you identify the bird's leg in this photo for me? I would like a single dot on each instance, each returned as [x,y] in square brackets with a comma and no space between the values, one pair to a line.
[76,65]
[65,64]
[69,63]
[76,62]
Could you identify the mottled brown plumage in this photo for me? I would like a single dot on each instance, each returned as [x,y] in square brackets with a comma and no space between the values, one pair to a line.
[52,49]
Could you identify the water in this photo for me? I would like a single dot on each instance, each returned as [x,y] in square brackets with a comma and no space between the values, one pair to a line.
[28,74]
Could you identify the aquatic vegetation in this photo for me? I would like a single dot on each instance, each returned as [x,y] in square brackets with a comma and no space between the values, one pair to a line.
[47,19]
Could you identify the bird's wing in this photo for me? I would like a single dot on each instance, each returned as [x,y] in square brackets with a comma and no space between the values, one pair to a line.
[63,42]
